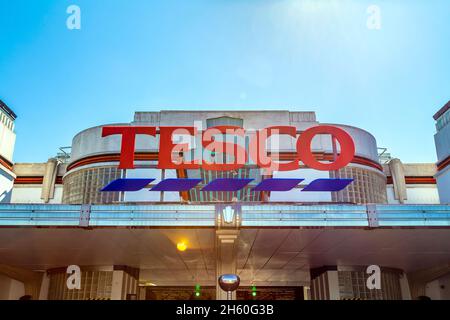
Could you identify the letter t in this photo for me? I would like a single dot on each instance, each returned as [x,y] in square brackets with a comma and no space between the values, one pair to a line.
[128,141]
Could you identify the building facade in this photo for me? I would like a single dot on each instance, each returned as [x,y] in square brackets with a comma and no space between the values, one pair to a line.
[154,243]
[442,140]
[97,157]
[94,163]
[7,141]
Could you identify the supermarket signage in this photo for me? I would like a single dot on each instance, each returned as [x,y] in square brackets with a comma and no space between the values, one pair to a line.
[219,151]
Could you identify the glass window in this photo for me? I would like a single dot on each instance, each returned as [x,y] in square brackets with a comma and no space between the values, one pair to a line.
[443,120]
[83,186]
[94,285]
[224,121]
[367,187]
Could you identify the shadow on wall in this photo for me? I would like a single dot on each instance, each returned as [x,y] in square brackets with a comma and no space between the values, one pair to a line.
[5,196]
[5,190]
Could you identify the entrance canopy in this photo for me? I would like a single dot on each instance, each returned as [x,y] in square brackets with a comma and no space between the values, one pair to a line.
[277,244]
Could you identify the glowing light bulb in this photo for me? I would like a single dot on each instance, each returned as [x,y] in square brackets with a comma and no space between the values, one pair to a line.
[182,246]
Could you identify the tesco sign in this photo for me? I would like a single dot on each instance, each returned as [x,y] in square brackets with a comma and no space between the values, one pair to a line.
[224,154]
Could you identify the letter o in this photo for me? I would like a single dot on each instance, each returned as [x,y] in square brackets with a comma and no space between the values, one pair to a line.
[345,141]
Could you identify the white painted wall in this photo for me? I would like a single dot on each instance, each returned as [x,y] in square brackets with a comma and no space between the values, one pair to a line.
[10,289]
[7,141]
[296,195]
[417,194]
[442,140]
[17,290]
[117,285]
[404,287]
[43,294]
[365,142]
[32,194]
[145,194]
[6,185]
[439,289]
[432,290]
[333,284]
[443,184]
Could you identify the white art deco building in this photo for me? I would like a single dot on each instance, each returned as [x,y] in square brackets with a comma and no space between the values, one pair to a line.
[153,244]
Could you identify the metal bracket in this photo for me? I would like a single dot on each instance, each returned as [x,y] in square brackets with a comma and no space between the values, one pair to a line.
[372,216]
[85,215]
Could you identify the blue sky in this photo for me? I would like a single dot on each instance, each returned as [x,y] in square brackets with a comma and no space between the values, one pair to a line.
[230,54]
